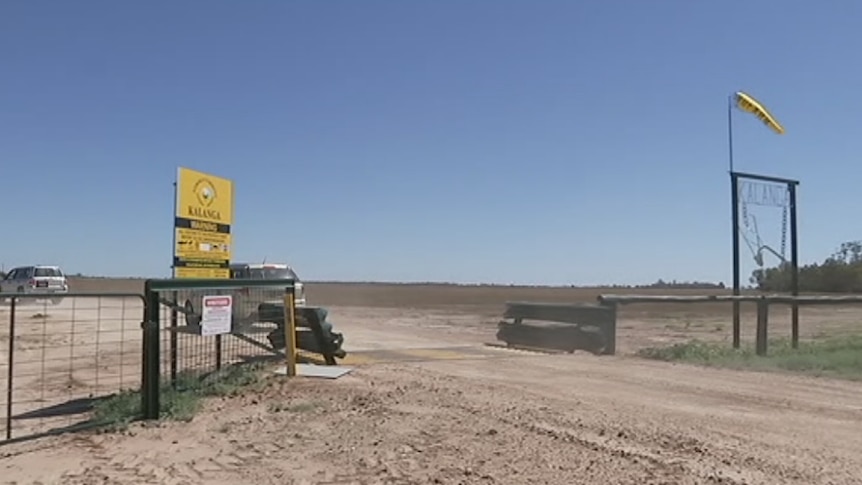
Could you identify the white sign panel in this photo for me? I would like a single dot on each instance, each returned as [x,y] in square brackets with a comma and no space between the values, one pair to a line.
[216,316]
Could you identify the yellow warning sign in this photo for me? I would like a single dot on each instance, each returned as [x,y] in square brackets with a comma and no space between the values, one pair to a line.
[195,244]
[202,273]
[204,197]
[204,213]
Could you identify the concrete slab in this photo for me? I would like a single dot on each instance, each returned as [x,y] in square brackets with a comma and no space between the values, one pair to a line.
[320,371]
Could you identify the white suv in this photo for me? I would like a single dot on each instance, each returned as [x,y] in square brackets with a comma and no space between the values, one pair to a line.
[269,271]
[47,281]
[246,302]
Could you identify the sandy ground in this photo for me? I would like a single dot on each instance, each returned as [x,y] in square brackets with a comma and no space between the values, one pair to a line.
[491,416]
[81,348]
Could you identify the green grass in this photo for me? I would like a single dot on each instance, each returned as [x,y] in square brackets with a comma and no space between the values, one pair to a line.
[835,357]
[180,402]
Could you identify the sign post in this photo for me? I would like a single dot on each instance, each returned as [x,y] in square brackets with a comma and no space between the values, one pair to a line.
[202,222]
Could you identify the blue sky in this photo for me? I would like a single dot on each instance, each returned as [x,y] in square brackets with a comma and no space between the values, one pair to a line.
[540,142]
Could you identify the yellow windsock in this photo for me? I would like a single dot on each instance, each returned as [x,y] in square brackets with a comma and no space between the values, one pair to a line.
[750,105]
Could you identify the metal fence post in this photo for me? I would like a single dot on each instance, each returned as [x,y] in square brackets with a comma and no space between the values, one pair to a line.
[289,332]
[173,340]
[794,263]
[10,370]
[218,352]
[150,405]
[762,324]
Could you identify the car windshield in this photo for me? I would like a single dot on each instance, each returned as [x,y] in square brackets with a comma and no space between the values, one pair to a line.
[48,272]
[272,274]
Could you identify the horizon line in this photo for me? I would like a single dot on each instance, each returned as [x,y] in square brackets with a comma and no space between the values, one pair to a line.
[666,284]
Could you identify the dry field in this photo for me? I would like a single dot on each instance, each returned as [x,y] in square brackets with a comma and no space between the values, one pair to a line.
[489,417]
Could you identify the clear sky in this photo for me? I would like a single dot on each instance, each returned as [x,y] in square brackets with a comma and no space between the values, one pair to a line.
[558,142]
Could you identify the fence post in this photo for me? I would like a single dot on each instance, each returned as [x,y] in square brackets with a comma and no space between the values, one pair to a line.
[173,339]
[10,370]
[762,324]
[289,332]
[150,405]
[218,352]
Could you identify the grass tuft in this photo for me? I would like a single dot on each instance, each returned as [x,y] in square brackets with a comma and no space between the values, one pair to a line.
[835,357]
[179,402]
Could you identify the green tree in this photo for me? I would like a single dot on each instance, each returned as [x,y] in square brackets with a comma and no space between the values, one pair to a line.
[841,272]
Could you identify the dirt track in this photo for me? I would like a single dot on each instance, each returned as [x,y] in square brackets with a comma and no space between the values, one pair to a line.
[499,418]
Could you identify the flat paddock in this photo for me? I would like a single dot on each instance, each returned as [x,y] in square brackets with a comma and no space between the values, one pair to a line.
[449,413]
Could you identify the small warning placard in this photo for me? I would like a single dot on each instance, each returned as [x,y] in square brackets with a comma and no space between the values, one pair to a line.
[216,314]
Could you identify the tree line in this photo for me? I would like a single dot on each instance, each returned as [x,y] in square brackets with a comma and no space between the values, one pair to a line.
[681,285]
[841,272]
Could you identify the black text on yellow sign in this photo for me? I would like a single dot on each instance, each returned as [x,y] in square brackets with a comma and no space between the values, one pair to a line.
[201,244]
[204,197]
[201,263]
[204,273]
[194,244]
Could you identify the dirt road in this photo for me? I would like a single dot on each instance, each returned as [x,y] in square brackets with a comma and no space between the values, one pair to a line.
[504,417]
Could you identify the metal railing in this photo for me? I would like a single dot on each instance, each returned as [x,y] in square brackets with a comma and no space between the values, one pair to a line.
[763,305]
[63,358]
[178,345]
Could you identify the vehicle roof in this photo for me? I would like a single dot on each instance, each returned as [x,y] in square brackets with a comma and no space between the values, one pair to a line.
[52,266]
[259,265]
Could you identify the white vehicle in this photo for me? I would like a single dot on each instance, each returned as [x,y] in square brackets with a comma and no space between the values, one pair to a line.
[269,271]
[42,280]
[246,300]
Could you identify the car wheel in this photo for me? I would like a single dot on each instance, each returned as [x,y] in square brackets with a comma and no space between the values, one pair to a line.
[20,289]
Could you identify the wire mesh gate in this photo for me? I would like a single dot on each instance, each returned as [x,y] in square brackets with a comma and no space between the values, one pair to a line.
[177,345]
[62,358]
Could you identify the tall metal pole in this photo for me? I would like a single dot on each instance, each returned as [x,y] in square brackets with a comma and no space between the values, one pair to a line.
[730,131]
[174,232]
[734,207]
[794,263]
[734,202]
[174,295]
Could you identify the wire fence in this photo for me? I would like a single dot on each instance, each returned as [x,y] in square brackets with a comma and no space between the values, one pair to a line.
[764,318]
[58,360]
[187,352]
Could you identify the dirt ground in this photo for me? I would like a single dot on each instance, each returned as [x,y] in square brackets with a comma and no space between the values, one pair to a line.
[469,414]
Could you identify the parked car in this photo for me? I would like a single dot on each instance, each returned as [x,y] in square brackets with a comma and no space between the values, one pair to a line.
[46,281]
[269,271]
[247,301]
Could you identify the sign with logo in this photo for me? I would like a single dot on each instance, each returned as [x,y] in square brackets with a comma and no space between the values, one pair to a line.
[216,315]
[204,213]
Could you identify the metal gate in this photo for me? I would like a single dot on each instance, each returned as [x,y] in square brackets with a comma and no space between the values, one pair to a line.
[178,350]
[63,357]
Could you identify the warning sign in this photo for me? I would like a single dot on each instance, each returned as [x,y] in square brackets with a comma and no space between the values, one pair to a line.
[199,272]
[204,213]
[216,314]
[209,246]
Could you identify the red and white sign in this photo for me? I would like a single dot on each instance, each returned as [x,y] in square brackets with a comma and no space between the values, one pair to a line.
[216,315]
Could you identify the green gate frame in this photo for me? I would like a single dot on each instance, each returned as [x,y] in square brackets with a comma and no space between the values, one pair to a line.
[151,368]
[14,300]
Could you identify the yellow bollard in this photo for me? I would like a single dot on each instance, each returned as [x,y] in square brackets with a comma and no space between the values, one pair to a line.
[290,333]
